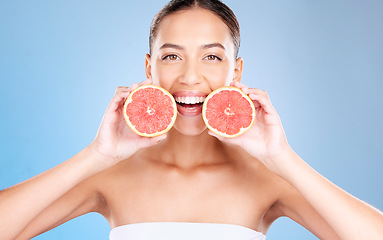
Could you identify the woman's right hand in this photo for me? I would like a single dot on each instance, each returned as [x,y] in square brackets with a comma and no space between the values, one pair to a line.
[115,141]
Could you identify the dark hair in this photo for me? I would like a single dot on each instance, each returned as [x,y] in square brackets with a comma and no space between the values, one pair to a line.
[215,6]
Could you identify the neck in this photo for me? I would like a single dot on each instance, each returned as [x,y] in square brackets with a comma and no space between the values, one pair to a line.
[187,152]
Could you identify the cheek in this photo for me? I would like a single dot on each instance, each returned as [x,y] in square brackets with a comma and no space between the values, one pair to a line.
[163,76]
[220,76]
[167,78]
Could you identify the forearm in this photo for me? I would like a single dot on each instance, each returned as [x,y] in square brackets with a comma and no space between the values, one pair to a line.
[348,216]
[20,204]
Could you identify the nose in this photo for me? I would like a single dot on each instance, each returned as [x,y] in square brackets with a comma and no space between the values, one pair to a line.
[191,74]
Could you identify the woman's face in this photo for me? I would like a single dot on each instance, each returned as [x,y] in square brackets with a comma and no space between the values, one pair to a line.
[192,55]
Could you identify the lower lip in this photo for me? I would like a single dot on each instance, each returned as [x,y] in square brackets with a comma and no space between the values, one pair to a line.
[189,111]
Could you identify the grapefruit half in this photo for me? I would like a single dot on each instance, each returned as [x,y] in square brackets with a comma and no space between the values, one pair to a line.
[150,110]
[228,112]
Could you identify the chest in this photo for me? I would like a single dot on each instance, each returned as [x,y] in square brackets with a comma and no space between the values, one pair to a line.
[226,196]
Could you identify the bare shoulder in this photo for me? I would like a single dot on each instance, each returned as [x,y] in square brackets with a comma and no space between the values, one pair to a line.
[116,184]
[267,190]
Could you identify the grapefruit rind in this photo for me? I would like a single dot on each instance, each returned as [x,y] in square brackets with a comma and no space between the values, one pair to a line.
[216,131]
[129,100]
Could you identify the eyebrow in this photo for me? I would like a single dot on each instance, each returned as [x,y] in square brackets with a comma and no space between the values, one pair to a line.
[170,45]
[213,45]
[206,46]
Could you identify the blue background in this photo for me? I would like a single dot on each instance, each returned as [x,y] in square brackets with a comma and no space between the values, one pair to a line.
[320,61]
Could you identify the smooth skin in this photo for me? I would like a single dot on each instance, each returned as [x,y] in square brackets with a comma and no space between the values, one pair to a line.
[189,174]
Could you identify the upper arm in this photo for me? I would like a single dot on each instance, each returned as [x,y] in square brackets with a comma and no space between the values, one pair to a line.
[82,199]
[293,205]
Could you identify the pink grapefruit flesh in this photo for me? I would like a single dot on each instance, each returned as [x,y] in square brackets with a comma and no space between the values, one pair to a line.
[150,110]
[228,112]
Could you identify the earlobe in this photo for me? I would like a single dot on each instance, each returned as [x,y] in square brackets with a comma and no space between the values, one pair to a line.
[238,70]
[148,66]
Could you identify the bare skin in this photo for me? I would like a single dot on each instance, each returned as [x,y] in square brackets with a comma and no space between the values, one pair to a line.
[189,174]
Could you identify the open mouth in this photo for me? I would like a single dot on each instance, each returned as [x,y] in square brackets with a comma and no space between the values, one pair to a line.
[189,103]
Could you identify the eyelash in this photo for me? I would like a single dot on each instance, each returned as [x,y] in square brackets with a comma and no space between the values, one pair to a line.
[216,58]
[167,57]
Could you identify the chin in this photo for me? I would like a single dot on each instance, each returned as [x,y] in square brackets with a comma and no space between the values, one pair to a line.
[191,126]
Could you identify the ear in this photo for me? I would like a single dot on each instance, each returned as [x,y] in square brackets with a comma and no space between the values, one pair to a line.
[238,70]
[148,66]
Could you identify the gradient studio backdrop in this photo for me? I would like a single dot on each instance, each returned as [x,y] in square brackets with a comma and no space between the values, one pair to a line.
[320,61]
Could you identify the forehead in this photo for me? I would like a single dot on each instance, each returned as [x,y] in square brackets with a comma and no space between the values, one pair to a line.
[196,26]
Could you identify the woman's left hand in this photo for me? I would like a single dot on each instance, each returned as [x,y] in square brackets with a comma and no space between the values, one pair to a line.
[266,139]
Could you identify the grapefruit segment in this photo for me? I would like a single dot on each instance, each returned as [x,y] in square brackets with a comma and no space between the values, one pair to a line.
[150,110]
[228,112]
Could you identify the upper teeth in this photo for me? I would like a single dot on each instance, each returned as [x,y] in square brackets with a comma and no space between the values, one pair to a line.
[190,100]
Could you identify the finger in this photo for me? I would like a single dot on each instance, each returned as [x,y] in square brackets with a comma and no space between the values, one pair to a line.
[146,142]
[257,92]
[123,92]
[121,89]
[262,100]
[217,136]
[235,140]
[260,97]
[147,81]
[159,138]
[134,86]
[119,98]
[242,86]
[238,84]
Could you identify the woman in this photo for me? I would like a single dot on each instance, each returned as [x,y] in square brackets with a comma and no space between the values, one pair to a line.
[189,183]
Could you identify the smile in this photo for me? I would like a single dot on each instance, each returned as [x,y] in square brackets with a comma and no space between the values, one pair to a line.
[189,103]
[190,100]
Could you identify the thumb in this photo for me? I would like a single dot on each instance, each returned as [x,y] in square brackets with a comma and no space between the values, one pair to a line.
[235,140]
[147,142]
[217,136]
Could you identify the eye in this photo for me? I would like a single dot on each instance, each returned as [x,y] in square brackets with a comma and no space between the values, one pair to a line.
[213,58]
[171,57]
